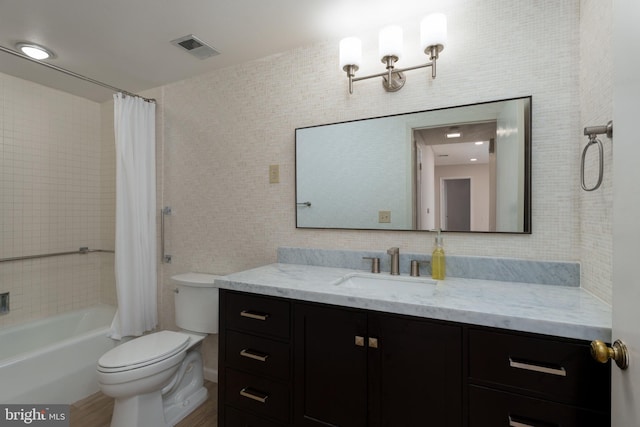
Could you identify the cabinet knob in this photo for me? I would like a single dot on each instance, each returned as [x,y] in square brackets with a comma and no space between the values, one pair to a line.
[618,352]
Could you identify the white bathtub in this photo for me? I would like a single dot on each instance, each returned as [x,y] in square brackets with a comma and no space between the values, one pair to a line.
[53,360]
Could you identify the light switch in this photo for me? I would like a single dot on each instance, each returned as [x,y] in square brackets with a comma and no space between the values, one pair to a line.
[274,174]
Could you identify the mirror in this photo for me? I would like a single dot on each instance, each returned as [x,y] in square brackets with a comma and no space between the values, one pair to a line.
[464,168]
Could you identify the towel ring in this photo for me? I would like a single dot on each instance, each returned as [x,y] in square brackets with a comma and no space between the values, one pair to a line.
[593,133]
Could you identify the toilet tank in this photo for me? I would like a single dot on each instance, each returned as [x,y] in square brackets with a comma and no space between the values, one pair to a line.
[196,302]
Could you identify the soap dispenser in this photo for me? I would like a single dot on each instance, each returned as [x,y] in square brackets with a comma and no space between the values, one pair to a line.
[438,263]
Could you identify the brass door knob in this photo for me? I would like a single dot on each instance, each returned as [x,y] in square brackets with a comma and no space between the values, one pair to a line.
[618,352]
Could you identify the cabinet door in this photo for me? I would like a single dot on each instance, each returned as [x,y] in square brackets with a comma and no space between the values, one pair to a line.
[415,372]
[330,366]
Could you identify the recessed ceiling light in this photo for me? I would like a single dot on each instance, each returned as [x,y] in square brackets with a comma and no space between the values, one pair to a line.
[34,51]
[453,132]
[474,160]
[479,143]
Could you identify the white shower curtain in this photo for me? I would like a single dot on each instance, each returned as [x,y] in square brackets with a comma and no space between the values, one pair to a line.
[135,257]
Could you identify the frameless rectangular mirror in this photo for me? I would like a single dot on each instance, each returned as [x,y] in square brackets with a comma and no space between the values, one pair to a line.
[464,168]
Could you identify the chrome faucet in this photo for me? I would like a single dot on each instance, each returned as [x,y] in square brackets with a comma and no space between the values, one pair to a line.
[395,260]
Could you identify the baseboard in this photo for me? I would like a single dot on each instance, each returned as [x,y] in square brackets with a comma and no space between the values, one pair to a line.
[211,374]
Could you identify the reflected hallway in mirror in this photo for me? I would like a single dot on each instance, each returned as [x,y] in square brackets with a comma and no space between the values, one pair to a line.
[461,169]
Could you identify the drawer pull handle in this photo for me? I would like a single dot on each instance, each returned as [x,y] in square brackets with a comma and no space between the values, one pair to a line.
[254,315]
[561,372]
[513,423]
[254,395]
[262,357]
[525,422]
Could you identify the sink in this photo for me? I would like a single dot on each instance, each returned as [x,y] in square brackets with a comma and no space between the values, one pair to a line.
[384,282]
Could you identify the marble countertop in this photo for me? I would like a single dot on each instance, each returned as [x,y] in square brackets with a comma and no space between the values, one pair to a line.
[564,311]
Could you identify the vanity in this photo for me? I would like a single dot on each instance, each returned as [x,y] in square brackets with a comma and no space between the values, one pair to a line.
[297,348]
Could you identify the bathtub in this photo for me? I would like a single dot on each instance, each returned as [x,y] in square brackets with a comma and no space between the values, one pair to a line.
[53,360]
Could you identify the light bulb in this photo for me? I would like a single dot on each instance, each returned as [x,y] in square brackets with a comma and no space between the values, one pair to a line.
[433,30]
[390,42]
[34,51]
[350,52]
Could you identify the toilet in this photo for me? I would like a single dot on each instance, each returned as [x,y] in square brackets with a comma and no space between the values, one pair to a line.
[157,379]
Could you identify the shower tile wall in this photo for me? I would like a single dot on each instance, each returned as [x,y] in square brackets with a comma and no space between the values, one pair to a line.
[52,182]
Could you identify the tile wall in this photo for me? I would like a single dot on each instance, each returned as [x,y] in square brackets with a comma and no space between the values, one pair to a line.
[51,199]
[596,102]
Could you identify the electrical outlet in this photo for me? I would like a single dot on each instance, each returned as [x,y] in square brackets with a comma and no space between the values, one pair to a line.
[274,174]
[384,216]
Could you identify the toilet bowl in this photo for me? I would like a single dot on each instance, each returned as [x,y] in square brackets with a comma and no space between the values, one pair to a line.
[157,379]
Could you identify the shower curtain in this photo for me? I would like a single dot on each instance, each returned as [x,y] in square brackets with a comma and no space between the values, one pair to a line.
[135,248]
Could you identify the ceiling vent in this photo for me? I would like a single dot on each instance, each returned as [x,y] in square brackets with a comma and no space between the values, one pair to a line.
[195,47]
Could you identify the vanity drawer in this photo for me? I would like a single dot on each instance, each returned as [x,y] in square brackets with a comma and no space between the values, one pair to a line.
[258,395]
[236,418]
[258,314]
[258,355]
[558,370]
[496,408]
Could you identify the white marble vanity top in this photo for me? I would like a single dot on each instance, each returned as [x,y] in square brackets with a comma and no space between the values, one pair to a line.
[563,311]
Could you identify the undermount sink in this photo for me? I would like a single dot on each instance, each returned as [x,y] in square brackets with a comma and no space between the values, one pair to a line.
[383,282]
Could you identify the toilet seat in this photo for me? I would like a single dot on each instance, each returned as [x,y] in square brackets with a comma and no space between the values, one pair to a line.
[143,351]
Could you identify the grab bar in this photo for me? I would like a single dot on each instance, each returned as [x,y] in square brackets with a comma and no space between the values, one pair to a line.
[593,132]
[166,258]
[83,250]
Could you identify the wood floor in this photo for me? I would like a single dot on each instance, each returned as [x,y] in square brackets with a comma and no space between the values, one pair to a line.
[95,411]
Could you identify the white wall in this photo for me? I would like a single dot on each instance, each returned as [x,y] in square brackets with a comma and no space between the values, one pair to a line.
[227,217]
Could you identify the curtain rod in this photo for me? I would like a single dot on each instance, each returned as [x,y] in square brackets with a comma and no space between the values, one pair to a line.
[72,74]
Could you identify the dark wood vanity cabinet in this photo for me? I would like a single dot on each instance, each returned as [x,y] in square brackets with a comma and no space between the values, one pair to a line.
[255,353]
[358,368]
[294,363]
[518,379]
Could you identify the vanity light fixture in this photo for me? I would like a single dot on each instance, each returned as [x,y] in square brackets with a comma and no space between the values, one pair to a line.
[34,51]
[433,37]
